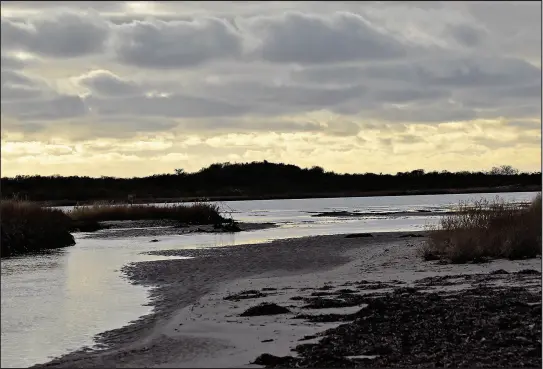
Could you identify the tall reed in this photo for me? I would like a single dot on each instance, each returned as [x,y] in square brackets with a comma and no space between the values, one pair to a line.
[26,227]
[487,229]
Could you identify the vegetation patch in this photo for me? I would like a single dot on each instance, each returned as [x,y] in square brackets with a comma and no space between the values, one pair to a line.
[359,235]
[26,227]
[198,213]
[244,295]
[236,181]
[486,229]
[265,309]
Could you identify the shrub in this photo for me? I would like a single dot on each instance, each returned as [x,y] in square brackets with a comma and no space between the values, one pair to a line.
[198,213]
[27,227]
[487,229]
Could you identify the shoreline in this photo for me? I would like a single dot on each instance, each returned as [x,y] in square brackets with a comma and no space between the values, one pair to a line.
[323,195]
[180,289]
[129,228]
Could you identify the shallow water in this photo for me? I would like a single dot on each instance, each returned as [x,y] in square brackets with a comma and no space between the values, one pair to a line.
[57,302]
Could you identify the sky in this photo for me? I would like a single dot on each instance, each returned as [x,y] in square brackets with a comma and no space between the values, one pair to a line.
[139,88]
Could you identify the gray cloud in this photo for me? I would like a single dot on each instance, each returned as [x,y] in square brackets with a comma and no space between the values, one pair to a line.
[46,5]
[174,106]
[57,35]
[13,92]
[448,71]
[10,62]
[107,84]
[51,108]
[212,68]
[313,39]
[528,125]
[17,86]
[226,125]
[466,35]
[425,113]
[515,25]
[175,44]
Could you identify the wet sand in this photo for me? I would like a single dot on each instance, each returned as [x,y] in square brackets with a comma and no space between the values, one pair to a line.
[194,326]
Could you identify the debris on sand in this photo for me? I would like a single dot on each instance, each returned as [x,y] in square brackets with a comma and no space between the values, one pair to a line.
[322,293]
[327,303]
[245,295]
[272,360]
[341,213]
[491,326]
[345,291]
[499,271]
[265,308]
[529,271]
[326,318]
[411,235]
[358,235]
[308,337]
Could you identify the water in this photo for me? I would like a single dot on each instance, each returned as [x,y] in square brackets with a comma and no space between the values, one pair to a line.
[56,303]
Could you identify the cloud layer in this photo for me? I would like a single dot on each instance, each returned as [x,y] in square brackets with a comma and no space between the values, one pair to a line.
[323,83]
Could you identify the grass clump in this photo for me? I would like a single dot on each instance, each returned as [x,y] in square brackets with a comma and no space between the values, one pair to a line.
[26,227]
[198,213]
[487,229]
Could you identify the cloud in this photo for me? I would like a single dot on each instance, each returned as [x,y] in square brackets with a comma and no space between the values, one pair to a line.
[175,44]
[16,86]
[173,106]
[52,108]
[11,62]
[314,39]
[466,35]
[107,84]
[525,125]
[313,83]
[57,34]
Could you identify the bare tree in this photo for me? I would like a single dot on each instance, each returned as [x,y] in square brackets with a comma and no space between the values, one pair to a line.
[504,170]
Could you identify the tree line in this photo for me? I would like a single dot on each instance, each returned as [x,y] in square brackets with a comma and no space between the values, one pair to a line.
[260,180]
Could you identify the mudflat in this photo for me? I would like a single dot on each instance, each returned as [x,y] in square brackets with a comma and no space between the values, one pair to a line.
[328,288]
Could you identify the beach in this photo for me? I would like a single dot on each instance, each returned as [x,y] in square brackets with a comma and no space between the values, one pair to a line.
[197,302]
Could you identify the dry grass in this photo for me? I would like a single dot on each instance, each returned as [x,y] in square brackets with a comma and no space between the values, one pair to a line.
[487,229]
[199,213]
[27,227]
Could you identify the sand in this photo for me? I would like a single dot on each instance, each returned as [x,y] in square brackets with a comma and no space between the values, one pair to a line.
[194,326]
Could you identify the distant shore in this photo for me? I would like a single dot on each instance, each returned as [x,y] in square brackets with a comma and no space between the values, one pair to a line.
[225,198]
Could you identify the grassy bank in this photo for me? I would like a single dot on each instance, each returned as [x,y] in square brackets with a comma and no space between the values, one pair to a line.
[487,229]
[199,213]
[26,227]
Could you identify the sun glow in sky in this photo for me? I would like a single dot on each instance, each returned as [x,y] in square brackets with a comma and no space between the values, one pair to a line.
[140,88]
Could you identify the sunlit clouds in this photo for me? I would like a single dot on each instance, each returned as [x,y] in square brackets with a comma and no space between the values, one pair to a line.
[140,88]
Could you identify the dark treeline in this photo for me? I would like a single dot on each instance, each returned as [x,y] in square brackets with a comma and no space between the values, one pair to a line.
[261,180]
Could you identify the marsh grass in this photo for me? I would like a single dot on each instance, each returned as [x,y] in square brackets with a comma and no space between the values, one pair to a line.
[26,227]
[486,229]
[198,213]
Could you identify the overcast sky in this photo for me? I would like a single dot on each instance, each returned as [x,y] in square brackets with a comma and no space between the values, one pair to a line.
[139,88]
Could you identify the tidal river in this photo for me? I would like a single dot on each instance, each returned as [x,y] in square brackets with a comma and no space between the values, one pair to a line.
[55,303]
